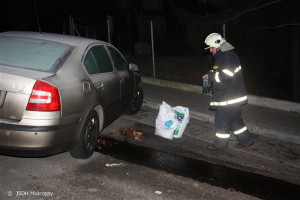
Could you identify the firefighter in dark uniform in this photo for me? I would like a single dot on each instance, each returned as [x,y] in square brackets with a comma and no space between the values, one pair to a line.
[229,93]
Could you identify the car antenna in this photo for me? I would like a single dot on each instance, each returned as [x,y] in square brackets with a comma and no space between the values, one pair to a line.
[37,17]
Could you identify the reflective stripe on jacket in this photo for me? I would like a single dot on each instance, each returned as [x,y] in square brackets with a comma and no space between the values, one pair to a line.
[227,72]
[227,78]
[232,101]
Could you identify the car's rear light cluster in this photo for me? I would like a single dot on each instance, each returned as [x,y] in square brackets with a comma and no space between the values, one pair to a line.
[44,97]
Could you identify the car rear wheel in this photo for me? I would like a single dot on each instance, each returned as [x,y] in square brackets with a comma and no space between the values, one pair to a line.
[137,102]
[88,138]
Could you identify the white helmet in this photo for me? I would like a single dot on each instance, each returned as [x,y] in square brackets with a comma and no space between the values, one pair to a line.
[214,40]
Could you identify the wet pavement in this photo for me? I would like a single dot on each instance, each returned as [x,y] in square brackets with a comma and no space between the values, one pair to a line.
[266,155]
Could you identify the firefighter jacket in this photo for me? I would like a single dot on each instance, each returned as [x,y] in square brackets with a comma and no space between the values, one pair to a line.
[227,78]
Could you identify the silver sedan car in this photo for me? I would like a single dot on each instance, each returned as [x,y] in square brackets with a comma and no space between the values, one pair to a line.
[57,92]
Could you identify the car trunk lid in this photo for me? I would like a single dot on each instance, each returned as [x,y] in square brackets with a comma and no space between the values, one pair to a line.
[14,94]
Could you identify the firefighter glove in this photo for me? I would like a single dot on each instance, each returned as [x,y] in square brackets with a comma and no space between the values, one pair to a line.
[206,86]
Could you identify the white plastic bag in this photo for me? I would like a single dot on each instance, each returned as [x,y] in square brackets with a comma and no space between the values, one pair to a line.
[183,118]
[166,123]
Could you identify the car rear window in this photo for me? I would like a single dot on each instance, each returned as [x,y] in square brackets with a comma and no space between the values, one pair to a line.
[38,55]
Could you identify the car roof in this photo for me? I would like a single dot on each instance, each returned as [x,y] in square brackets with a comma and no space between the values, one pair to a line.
[61,38]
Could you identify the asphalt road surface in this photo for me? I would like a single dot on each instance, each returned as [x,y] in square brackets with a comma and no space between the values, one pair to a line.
[100,177]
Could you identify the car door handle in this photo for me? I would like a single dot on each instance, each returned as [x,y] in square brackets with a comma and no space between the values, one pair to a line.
[86,87]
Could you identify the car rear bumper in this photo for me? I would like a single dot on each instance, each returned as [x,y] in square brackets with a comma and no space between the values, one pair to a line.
[35,152]
[37,141]
[14,127]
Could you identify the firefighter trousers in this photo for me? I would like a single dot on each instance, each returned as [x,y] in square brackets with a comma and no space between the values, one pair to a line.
[229,119]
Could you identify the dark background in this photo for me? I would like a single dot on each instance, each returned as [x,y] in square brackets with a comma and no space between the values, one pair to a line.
[264,32]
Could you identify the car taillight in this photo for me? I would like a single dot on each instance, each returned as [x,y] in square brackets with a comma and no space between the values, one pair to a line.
[44,97]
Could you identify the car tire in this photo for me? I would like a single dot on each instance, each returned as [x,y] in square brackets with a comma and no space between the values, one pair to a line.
[137,102]
[88,138]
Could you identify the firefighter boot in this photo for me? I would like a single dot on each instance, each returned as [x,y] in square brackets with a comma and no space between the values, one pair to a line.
[219,144]
[245,139]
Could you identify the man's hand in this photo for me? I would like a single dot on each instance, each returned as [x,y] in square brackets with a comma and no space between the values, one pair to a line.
[205,76]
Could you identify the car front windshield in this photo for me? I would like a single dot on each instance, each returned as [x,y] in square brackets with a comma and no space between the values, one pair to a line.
[33,54]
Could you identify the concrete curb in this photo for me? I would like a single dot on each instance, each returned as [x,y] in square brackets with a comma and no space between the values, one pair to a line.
[252,99]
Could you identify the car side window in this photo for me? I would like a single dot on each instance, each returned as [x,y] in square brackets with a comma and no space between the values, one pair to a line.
[90,63]
[97,61]
[119,62]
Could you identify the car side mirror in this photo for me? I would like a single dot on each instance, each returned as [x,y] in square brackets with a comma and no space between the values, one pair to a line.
[133,67]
